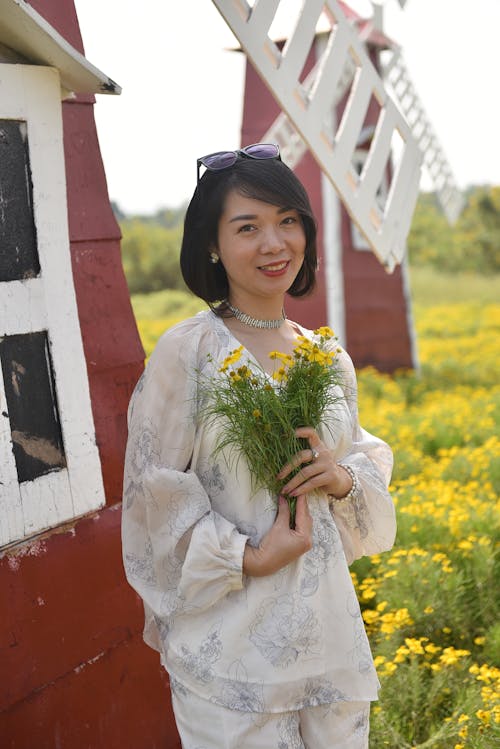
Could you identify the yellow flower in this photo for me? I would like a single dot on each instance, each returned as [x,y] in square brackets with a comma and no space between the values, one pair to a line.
[324,332]
[370,616]
[256,413]
[390,667]
[451,655]
[285,358]
[484,716]
[414,645]
[232,358]
[244,372]
[280,375]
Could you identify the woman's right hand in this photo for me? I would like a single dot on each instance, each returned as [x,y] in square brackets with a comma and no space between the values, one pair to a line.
[281,544]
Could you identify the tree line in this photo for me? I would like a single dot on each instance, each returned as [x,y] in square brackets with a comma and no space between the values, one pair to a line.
[151,244]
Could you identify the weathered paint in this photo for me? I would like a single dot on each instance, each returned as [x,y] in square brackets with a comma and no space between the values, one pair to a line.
[75,670]
[32,93]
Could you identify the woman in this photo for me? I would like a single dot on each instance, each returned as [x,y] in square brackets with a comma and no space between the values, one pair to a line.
[258,625]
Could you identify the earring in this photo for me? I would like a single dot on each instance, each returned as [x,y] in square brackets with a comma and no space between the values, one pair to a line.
[214,258]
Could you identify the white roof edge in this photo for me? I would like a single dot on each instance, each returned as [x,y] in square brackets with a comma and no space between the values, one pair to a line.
[23,29]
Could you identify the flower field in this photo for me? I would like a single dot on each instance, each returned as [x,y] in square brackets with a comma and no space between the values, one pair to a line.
[432,604]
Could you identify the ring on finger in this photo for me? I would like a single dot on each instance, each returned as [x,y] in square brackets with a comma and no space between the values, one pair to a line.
[314,454]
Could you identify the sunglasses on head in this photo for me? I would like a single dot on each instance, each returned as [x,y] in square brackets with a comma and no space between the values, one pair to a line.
[216,162]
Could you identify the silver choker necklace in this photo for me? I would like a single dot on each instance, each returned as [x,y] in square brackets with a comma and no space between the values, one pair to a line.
[254,322]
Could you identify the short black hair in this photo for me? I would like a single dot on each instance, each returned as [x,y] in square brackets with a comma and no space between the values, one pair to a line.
[269,180]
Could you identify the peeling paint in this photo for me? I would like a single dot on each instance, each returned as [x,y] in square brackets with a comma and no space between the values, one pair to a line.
[35,549]
[39,448]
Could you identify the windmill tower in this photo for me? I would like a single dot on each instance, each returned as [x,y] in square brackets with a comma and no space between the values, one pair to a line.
[320,94]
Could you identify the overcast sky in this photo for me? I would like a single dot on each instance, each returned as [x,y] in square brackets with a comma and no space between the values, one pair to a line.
[182,89]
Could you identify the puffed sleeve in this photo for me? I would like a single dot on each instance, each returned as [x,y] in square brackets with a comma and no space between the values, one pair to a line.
[178,553]
[367,523]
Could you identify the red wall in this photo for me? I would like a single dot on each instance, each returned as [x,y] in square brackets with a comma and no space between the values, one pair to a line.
[377,332]
[75,672]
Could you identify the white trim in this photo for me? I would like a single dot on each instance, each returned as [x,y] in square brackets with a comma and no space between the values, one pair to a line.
[23,29]
[31,93]
[332,247]
[11,508]
[23,306]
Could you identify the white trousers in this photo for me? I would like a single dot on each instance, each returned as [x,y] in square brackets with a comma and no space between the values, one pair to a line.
[205,725]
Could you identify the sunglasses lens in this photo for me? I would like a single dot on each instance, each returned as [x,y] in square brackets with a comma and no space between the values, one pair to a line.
[262,151]
[220,160]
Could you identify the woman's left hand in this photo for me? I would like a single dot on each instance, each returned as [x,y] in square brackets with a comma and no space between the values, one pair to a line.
[319,471]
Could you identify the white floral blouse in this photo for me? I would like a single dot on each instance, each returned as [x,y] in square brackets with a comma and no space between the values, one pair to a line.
[260,644]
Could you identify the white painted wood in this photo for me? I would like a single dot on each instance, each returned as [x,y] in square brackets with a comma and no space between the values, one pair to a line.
[11,510]
[262,15]
[450,197]
[298,46]
[46,501]
[23,306]
[332,247]
[307,110]
[282,131]
[32,94]
[23,29]
[377,159]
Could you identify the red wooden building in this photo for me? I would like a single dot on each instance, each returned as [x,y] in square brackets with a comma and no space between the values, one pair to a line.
[75,671]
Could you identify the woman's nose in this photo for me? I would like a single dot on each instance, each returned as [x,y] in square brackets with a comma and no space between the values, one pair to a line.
[273,240]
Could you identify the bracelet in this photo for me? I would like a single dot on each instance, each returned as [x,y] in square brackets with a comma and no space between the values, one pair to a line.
[352,491]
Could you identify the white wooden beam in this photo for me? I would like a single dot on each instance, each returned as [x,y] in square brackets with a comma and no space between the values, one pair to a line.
[448,194]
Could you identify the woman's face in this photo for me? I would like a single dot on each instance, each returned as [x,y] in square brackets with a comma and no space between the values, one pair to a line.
[261,247]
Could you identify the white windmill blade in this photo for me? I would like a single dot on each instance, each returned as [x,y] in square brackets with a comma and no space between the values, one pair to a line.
[450,198]
[309,107]
[282,131]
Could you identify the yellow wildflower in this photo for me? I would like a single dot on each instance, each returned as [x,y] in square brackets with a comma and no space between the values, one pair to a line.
[232,358]
[484,716]
[324,332]
[280,375]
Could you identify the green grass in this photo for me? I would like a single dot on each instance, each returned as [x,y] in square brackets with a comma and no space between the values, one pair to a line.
[168,303]
[429,288]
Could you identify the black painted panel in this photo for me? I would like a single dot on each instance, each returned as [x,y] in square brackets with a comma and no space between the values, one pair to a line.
[32,405]
[18,248]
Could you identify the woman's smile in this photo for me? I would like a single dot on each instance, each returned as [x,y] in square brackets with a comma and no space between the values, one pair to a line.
[275,269]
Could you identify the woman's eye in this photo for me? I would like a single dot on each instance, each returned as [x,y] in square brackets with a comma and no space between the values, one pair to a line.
[289,220]
[246,228]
